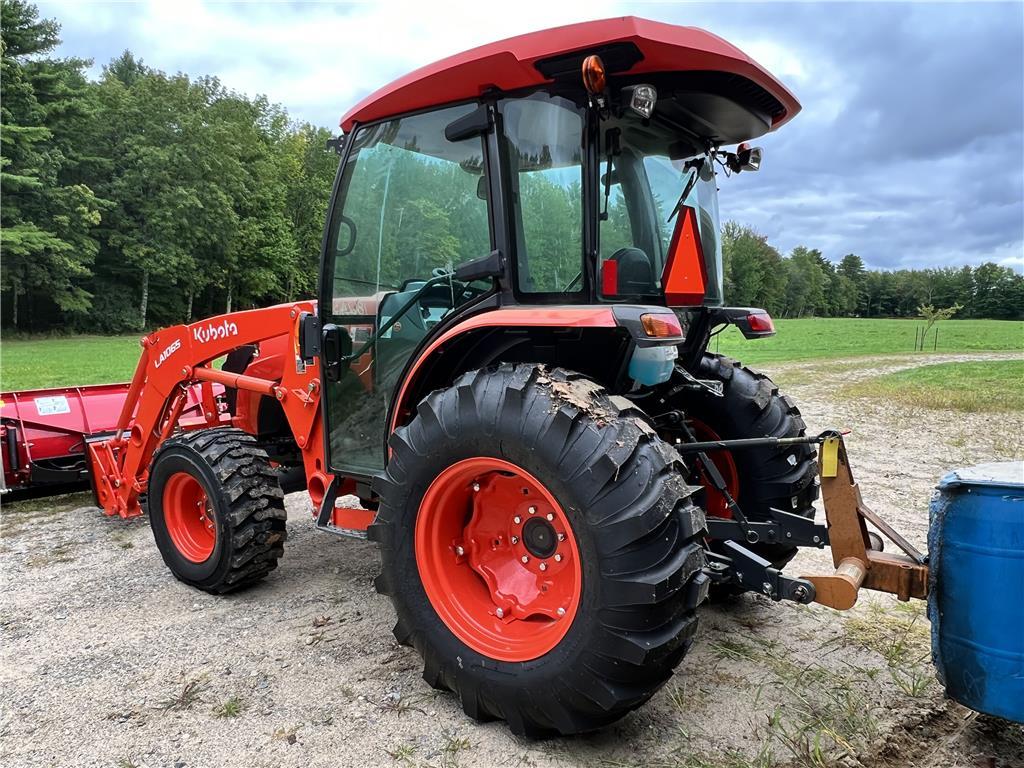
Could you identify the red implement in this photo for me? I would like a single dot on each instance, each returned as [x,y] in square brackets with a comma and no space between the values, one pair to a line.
[43,434]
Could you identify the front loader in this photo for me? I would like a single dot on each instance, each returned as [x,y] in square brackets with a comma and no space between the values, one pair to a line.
[505,382]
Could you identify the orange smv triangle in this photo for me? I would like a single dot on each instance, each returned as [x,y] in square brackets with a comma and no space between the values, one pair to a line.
[685,273]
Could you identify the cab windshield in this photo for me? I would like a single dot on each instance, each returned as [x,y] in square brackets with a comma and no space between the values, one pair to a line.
[648,172]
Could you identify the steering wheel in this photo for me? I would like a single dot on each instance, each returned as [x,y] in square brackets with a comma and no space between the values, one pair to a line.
[464,291]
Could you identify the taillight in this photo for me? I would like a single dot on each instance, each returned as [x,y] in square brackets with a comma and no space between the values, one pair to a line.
[609,277]
[662,325]
[761,322]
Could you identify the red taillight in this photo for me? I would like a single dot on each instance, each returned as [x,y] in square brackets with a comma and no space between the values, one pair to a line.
[661,325]
[609,278]
[761,322]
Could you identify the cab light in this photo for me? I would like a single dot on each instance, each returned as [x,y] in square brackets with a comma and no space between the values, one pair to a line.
[594,79]
[761,322]
[642,98]
[661,325]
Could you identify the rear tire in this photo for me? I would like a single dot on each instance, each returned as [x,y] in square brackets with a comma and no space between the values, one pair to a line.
[766,478]
[216,509]
[613,486]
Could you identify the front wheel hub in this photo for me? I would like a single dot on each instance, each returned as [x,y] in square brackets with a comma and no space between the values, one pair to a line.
[498,559]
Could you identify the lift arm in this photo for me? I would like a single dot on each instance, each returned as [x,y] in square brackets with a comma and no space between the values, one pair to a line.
[178,359]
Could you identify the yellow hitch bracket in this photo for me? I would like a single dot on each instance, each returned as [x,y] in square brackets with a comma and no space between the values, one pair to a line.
[857,566]
[830,457]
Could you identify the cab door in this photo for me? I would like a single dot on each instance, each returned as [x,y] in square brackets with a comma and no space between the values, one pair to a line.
[409,206]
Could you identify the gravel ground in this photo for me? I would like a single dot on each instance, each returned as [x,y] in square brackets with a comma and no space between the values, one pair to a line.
[107,660]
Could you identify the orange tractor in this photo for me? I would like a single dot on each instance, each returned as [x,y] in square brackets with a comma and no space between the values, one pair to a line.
[505,382]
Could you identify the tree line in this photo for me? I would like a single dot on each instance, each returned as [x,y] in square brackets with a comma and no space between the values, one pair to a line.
[805,283]
[141,199]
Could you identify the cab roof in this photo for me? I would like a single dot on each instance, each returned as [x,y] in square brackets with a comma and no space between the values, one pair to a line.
[629,45]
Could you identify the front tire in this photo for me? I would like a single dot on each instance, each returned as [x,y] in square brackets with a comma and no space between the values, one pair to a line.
[216,509]
[540,549]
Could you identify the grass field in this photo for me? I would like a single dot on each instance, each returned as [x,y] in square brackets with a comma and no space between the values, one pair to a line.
[992,386]
[53,362]
[834,337]
[67,361]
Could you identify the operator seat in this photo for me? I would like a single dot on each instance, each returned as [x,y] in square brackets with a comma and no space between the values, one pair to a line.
[636,272]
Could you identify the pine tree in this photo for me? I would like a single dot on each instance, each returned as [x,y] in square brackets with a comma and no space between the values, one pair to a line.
[48,218]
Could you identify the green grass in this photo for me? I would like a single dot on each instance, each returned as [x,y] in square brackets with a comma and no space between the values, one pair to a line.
[67,361]
[831,338]
[994,386]
[74,360]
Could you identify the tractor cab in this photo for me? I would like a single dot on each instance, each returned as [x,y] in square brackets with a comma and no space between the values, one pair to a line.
[574,167]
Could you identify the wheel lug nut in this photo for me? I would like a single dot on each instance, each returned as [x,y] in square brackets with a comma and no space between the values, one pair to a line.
[525,559]
[533,510]
[561,537]
[543,566]
[550,517]
[499,613]
[517,519]
[558,558]
[560,611]
[460,551]
[515,539]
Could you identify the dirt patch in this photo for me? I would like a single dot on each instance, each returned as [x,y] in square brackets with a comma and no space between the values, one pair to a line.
[107,660]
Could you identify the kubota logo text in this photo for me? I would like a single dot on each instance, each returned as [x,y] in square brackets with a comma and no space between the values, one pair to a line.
[171,349]
[211,332]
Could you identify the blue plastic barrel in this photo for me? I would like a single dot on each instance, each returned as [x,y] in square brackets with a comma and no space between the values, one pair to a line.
[976,600]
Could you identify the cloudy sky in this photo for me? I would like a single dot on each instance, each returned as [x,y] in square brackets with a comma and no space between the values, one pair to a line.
[909,150]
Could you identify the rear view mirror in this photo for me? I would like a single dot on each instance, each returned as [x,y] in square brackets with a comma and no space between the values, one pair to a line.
[481,188]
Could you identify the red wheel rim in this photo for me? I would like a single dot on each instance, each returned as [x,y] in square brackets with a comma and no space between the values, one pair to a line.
[498,559]
[715,501]
[188,516]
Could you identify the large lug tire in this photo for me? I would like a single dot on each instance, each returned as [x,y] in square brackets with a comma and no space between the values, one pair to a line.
[516,468]
[760,478]
[216,509]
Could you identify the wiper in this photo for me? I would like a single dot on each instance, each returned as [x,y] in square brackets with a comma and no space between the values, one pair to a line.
[694,166]
[686,191]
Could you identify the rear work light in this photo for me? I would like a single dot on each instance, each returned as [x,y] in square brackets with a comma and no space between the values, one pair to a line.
[662,325]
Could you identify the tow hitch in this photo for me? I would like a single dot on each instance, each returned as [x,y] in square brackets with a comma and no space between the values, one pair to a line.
[857,553]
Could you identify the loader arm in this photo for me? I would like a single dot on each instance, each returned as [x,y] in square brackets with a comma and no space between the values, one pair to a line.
[178,359]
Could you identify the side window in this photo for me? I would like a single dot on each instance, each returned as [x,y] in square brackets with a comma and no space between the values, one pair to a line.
[545,139]
[663,176]
[412,205]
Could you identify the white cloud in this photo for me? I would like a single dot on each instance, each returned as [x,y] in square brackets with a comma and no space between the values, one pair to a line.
[318,59]
[876,163]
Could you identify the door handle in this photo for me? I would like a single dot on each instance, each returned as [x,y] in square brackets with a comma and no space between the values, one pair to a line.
[335,347]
